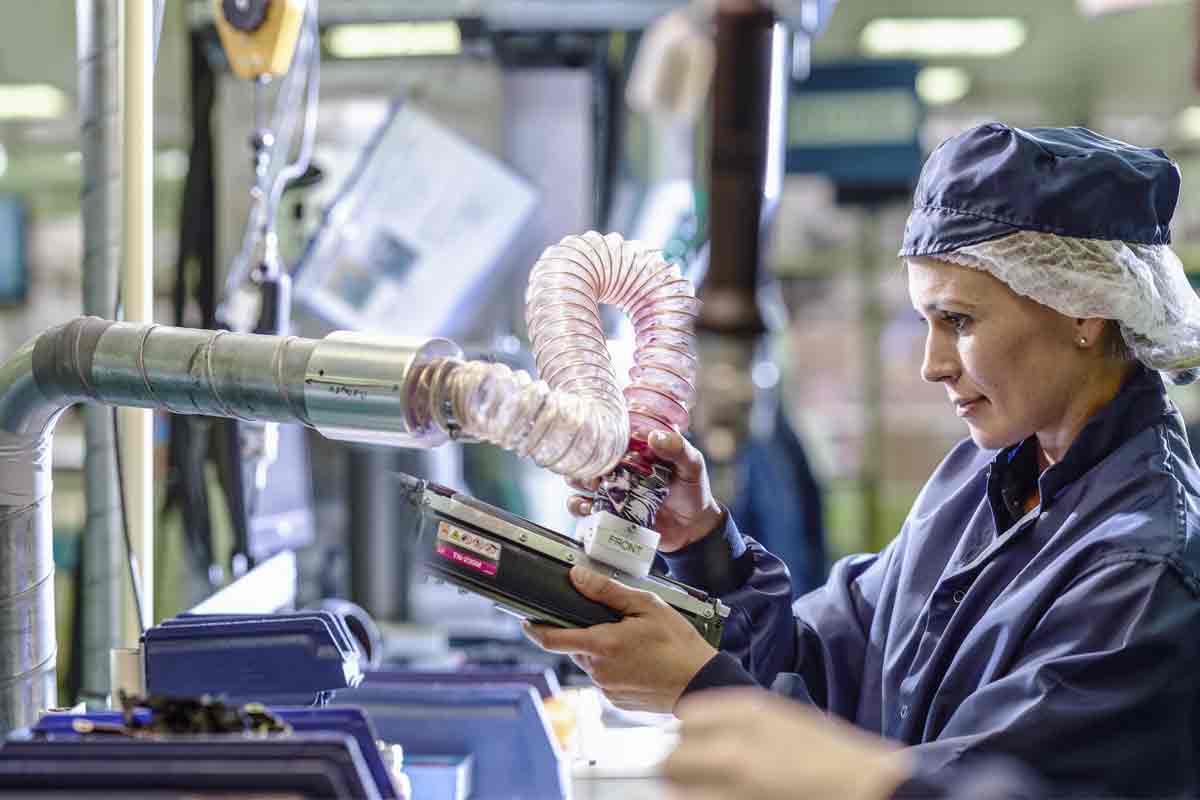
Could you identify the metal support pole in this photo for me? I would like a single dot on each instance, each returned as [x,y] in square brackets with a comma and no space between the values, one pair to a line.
[377,582]
[102,563]
[137,290]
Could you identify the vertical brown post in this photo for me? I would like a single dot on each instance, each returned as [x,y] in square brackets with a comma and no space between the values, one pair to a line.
[741,110]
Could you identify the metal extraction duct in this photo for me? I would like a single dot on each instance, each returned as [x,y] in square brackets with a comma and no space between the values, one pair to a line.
[348,386]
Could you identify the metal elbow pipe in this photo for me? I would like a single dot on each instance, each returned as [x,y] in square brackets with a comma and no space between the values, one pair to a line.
[347,386]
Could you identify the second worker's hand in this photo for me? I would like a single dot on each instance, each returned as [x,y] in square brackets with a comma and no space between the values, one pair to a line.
[690,511]
[753,745]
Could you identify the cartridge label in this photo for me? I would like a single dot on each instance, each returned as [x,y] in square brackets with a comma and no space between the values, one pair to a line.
[469,541]
[468,549]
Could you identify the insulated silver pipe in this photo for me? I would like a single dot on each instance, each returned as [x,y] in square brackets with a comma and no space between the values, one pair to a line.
[99,602]
[350,386]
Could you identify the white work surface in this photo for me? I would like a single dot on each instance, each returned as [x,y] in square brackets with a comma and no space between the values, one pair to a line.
[618,761]
[618,789]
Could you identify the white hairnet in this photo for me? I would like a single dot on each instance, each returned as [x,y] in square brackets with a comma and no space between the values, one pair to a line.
[1142,287]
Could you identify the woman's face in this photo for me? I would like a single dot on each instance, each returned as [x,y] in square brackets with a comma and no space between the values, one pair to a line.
[1011,366]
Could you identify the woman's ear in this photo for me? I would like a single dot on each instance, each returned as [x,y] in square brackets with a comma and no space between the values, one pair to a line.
[1090,332]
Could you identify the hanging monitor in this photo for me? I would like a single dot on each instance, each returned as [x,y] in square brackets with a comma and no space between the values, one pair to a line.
[416,236]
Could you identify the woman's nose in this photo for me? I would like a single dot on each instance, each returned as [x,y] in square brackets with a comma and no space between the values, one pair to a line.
[941,359]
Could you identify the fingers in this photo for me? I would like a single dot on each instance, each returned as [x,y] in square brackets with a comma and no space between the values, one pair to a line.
[689,764]
[715,740]
[571,641]
[590,485]
[673,448]
[693,764]
[579,505]
[696,793]
[613,594]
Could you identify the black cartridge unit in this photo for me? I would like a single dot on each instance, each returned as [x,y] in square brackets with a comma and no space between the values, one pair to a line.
[523,567]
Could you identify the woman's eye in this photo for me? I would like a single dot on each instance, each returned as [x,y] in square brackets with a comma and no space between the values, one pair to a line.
[958,321]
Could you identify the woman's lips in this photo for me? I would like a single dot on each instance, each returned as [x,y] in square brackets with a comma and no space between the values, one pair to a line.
[965,408]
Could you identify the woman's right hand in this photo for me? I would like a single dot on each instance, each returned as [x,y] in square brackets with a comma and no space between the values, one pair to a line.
[690,511]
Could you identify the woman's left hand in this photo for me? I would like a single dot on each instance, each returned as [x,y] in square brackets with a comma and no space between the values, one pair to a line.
[750,744]
[645,661]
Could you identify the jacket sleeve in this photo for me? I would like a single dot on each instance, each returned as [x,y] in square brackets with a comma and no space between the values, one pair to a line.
[994,778]
[815,646]
[759,637]
[1103,683]
[833,631]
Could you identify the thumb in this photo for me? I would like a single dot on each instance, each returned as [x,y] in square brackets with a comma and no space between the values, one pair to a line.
[673,448]
[606,591]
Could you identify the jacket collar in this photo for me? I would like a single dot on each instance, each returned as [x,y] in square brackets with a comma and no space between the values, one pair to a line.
[1141,401]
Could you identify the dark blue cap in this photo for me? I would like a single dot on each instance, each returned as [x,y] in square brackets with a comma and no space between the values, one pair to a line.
[993,180]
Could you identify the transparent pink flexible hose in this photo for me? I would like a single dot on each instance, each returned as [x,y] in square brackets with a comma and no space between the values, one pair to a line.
[575,421]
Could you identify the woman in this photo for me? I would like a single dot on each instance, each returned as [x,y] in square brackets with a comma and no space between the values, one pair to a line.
[1041,600]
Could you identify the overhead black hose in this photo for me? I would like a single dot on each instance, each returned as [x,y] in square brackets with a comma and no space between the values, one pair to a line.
[195,287]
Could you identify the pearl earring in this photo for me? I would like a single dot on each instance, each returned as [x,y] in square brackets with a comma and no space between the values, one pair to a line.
[1082,342]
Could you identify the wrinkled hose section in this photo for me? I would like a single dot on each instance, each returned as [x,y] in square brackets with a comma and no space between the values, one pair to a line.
[566,287]
[562,309]
[568,433]
[575,420]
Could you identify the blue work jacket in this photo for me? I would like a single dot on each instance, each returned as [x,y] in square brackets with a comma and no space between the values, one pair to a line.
[1067,637]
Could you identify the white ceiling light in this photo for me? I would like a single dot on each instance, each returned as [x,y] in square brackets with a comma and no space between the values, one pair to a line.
[942,36]
[1094,8]
[1187,124]
[31,101]
[939,86]
[394,39]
